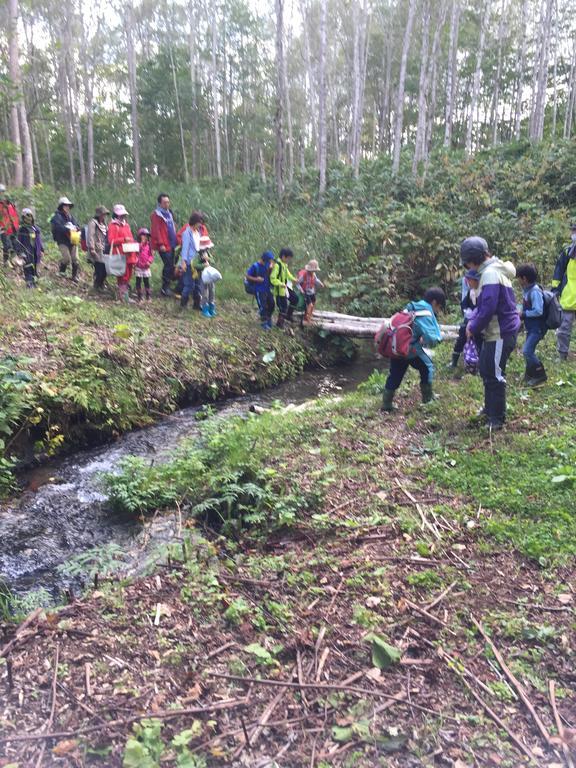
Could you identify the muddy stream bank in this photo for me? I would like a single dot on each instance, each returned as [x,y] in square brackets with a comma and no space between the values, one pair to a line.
[65,510]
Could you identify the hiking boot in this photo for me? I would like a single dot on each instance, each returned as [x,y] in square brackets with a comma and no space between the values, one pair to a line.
[138,296]
[495,426]
[167,292]
[75,271]
[281,321]
[538,377]
[480,417]
[62,270]
[427,393]
[387,398]
[148,295]
[453,364]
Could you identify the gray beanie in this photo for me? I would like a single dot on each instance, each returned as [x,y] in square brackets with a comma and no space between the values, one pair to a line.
[473,249]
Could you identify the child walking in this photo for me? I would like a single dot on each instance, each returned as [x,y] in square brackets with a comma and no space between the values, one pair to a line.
[280,276]
[207,301]
[426,331]
[470,283]
[28,244]
[308,282]
[145,259]
[532,314]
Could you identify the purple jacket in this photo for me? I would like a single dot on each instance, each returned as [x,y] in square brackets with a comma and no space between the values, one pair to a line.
[496,315]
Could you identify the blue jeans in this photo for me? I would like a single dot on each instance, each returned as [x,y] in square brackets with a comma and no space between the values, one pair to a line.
[189,284]
[533,338]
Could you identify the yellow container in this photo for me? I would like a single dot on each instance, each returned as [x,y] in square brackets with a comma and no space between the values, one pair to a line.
[74,237]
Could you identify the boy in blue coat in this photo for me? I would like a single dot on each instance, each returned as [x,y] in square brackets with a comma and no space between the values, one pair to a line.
[426,333]
[533,316]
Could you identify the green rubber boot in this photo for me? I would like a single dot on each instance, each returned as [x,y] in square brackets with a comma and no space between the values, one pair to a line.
[427,393]
[387,399]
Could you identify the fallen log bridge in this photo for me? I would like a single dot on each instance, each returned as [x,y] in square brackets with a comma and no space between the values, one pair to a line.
[361,327]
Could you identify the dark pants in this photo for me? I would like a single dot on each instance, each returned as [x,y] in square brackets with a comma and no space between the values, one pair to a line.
[188,285]
[167,269]
[286,305]
[399,366]
[7,246]
[30,273]
[100,274]
[460,342]
[265,303]
[493,358]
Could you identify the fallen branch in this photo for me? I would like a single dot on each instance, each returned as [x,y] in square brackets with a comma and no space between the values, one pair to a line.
[515,682]
[441,596]
[425,521]
[19,632]
[430,616]
[321,687]
[558,721]
[513,737]
[166,714]
[52,703]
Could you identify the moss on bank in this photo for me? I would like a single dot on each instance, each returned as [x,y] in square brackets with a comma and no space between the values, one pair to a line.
[79,369]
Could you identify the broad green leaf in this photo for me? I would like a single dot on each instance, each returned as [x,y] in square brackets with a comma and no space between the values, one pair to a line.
[383,654]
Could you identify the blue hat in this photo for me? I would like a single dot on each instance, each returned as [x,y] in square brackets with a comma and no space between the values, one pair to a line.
[472,274]
[473,248]
[267,256]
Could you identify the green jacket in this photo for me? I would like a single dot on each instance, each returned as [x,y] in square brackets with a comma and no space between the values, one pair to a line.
[279,277]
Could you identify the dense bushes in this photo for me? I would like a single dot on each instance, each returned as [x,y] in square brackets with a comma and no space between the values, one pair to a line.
[378,238]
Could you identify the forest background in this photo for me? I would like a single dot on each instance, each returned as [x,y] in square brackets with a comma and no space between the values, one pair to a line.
[370,135]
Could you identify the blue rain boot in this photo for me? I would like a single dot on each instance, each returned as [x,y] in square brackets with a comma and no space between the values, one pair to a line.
[212,308]
[206,310]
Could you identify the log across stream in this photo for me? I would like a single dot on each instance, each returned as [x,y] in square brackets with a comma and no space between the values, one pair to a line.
[362,327]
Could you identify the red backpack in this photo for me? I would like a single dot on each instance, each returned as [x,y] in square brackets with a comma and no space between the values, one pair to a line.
[394,339]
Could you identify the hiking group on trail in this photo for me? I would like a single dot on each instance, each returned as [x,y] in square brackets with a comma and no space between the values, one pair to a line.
[486,339]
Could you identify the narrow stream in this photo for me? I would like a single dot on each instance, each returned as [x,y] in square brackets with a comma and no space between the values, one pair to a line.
[65,512]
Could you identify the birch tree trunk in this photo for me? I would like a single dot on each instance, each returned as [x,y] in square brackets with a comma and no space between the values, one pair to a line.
[280,99]
[14,73]
[520,58]
[360,64]
[133,90]
[179,114]
[288,111]
[555,74]
[322,101]
[451,72]
[311,91]
[539,103]
[422,88]
[477,78]
[193,86]
[215,100]
[399,117]
[570,96]
[502,32]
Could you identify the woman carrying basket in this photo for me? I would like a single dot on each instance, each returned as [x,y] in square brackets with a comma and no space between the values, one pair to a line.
[122,244]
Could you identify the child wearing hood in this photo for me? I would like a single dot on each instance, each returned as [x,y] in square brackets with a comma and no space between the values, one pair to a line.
[29,246]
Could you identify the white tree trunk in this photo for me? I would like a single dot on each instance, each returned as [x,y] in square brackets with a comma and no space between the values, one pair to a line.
[502,33]
[477,78]
[539,102]
[422,88]
[451,72]
[399,117]
[322,101]
[520,61]
[215,99]
[570,96]
[14,73]
[280,99]
[133,90]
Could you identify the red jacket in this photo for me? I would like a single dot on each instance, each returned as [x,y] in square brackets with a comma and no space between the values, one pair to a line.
[118,233]
[159,233]
[9,221]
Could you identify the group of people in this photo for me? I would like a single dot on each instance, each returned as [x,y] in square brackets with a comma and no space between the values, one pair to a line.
[492,321]
[270,281]
[112,250]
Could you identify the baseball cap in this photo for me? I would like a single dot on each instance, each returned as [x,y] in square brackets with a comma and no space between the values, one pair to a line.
[473,248]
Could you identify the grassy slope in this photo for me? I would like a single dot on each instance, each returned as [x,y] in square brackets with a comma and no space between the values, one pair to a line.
[299,601]
[99,368]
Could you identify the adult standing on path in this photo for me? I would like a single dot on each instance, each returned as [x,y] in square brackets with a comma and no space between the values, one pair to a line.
[564,284]
[119,235]
[9,223]
[497,320]
[163,234]
[66,235]
[190,248]
[97,229]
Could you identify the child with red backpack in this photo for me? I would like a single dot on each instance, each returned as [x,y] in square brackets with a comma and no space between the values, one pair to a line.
[403,342]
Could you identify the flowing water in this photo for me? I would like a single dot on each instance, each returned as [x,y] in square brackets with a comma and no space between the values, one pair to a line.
[65,511]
